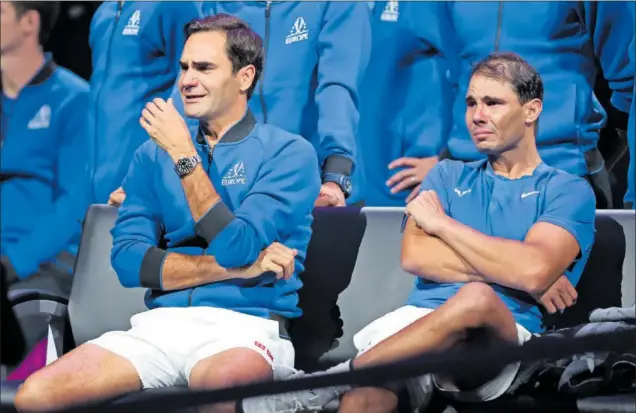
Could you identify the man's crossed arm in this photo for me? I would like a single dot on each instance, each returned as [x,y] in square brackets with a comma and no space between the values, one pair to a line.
[443,250]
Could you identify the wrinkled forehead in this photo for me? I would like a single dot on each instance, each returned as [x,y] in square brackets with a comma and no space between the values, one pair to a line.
[482,86]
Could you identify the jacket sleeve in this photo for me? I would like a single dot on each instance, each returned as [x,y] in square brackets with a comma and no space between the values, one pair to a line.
[280,200]
[611,26]
[344,50]
[426,117]
[135,256]
[55,229]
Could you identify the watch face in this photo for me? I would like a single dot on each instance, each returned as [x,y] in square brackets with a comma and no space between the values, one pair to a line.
[346,184]
[185,165]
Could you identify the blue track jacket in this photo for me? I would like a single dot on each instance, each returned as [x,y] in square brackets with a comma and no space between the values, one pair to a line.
[404,97]
[563,41]
[268,180]
[136,48]
[45,148]
[315,56]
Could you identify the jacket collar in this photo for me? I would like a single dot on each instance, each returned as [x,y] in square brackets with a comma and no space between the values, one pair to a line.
[42,75]
[237,132]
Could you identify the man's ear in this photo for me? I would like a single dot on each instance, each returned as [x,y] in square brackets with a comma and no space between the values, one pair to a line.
[533,109]
[245,76]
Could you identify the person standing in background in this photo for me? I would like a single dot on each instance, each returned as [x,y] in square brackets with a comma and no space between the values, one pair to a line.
[316,54]
[44,156]
[135,51]
[564,41]
[404,100]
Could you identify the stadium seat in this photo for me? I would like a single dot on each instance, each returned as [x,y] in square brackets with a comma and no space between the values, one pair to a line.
[98,302]
[377,285]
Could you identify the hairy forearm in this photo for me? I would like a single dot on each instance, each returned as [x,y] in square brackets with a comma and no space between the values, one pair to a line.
[181,271]
[500,261]
[429,257]
[199,192]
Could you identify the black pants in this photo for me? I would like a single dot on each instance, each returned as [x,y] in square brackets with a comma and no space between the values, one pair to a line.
[600,183]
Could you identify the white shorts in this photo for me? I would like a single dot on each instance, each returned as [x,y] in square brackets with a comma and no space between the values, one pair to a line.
[164,344]
[388,325]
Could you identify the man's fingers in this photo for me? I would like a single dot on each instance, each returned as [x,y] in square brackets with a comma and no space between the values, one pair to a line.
[406,183]
[558,302]
[548,305]
[413,193]
[403,162]
[565,297]
[159,103]
[270,266]
[401,176]
[571,291]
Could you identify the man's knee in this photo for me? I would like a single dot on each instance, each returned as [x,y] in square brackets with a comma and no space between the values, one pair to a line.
[477,299]
[230,368]
[34,396]
[368,400]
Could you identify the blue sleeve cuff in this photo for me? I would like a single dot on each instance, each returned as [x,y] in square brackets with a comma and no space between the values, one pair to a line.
[150,272]
[214,221]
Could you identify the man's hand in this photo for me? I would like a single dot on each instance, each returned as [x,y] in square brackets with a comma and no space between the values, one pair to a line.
[559,296]
[330,195]
[276,258]
[410,177]
[426,211]
[117,197]
[167,128]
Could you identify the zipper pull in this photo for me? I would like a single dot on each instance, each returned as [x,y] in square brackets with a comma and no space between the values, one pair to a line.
[268,4]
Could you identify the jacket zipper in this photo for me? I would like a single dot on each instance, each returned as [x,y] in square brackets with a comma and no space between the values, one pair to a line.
[209,151]
[499,20]
[260,86]
[120,6]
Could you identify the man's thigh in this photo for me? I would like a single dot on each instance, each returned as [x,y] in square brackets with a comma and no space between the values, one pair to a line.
[146,347]
[235,336]
[88,373]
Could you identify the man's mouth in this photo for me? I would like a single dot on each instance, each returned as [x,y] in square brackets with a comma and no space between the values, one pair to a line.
[192,98]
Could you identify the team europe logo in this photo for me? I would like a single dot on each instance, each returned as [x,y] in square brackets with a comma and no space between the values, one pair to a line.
[235,176]
[298,32]
[132,27]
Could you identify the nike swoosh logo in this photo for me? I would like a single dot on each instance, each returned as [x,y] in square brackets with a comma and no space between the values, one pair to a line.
[527,194]
[462,193]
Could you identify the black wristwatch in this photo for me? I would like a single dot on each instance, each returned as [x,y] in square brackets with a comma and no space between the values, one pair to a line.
[186,165]
[343,181]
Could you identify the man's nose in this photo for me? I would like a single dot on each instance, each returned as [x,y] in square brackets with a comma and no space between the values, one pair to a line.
[479,115]
[188,80]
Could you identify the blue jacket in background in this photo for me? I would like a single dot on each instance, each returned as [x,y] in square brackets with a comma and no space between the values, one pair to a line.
[631,138]
[45,142]
[267,179]
[136,48]
[404,97]
[563,41]
[315,56]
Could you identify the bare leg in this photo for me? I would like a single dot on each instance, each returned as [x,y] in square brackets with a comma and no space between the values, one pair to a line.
[88,373]
[230,368]
[476,306]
